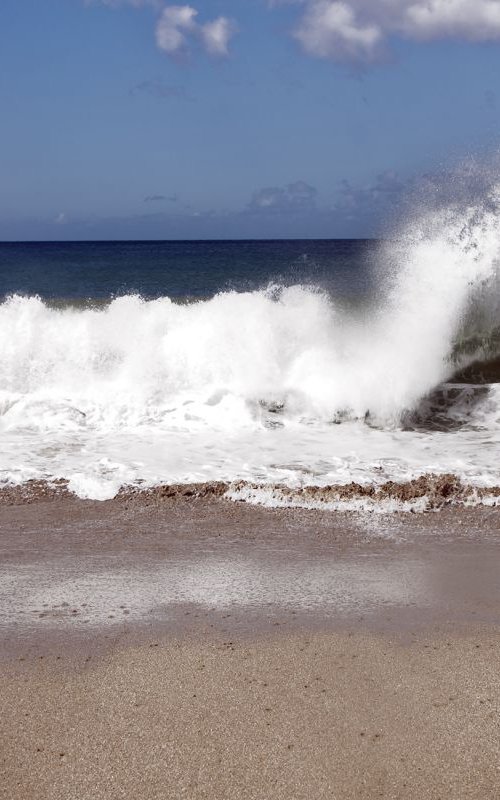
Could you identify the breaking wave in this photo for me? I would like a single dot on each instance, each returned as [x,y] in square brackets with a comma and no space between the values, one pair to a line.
[247,385]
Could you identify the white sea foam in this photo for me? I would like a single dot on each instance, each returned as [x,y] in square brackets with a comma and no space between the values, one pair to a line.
[247,385]
[271,496]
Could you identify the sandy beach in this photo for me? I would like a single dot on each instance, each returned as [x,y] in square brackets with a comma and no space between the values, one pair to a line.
[164,647]
[250,400]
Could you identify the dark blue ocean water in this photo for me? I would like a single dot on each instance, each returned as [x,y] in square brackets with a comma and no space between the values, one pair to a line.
[79,270]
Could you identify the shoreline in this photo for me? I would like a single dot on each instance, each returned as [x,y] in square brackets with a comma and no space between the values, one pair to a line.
[428,492]
[156,561]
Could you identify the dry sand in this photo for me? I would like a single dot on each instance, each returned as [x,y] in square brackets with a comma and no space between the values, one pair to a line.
[197,649]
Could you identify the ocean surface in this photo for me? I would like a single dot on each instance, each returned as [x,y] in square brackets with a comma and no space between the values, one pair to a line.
[272,363]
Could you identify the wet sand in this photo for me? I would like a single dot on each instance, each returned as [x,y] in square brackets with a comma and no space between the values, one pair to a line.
[162,647]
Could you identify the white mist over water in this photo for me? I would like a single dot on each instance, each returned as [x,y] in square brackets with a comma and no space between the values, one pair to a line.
[247,385]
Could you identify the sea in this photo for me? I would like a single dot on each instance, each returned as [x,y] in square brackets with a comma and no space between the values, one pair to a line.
[276,367]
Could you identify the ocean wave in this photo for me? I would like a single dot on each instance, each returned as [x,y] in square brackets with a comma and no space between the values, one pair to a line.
[284,384]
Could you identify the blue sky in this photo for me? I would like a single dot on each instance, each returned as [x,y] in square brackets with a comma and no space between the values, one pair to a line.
[143,119]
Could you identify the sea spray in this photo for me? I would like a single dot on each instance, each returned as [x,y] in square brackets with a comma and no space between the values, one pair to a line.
[247,385]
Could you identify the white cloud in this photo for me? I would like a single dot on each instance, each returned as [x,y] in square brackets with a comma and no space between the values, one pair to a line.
[177,26]
[356,30]
[331,29]
[173,25]
[217,34]
[178,23]
[476,20]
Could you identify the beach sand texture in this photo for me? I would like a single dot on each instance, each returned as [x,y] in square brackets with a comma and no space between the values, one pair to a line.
[364,664]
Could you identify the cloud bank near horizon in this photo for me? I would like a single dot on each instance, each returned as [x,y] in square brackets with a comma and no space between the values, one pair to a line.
[290,211]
